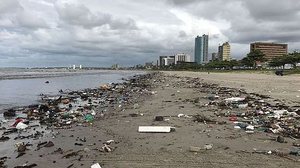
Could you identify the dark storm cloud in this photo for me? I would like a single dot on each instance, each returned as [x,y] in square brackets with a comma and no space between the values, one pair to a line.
[270,10]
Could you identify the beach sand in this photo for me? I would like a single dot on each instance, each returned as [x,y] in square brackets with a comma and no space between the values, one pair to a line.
[172,95]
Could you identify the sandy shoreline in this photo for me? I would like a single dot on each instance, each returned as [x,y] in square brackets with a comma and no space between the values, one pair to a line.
[170,94]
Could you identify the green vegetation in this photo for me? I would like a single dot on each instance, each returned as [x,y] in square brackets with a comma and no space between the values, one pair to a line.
[253,57]
[292,58]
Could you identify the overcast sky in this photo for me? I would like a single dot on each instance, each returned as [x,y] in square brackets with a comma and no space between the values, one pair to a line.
[35,33]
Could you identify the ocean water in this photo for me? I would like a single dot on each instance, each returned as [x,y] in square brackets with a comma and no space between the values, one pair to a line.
[25,91]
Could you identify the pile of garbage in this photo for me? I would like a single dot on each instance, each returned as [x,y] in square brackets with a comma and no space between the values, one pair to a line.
[251,111]
[72,108]
[67,108]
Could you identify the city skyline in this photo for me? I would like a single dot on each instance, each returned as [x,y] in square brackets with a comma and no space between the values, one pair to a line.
[49,33]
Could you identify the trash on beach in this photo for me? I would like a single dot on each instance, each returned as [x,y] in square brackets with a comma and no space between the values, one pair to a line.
[194,149]
[17,121]
[242,106]
[21,147]
[233,118]
[89,118]
[106,148]
[208,146]
[203,119]
[280,139]
[155,129]
[136,106]
[250,127]
[4,138]
[104,87]
[10,113]
[183,116]
[235,99]
[159,118]
[49,144]
[21,126]
[213,97]
[295,151]
[96,165]
[26,166]
[109,142]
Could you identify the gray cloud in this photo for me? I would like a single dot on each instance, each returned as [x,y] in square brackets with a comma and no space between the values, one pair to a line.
[80,15]
[97,32]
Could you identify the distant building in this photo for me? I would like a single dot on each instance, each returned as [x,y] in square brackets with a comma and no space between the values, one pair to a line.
[80,66]
[220,52]
[182,58]
[226,56]
[149,65]
[224,52]
[74,66]
[115,66]
[271,50]
[214,56]
[201,49]
[166,60]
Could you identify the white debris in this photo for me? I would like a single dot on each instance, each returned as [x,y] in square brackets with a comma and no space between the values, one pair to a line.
[235,99]
[250,127]
[242,106]
[109,142]
[21,126]
[208,146]
[155,129]
[96,165]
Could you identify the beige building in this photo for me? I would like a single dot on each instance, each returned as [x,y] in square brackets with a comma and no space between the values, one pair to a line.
[271,50]
[224,52]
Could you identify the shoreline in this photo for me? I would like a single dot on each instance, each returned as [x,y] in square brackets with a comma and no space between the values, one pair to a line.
[179,98]
[51,73]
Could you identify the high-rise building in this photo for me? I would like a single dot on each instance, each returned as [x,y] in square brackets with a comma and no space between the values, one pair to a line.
[271,50]
[224,52]
[182,58]
[201,49]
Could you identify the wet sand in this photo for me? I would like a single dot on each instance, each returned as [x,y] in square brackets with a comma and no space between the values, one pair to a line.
[172,95]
